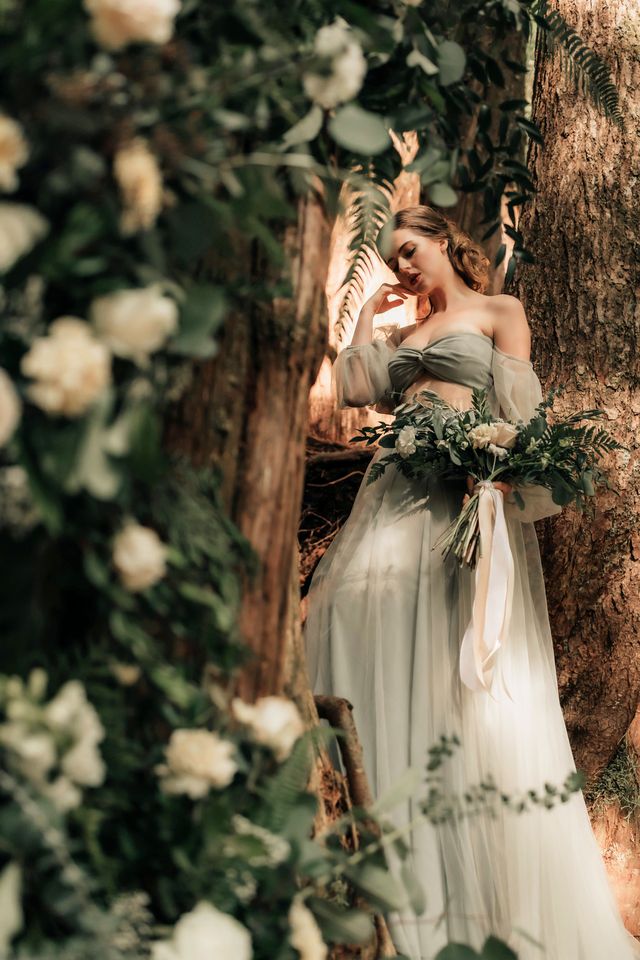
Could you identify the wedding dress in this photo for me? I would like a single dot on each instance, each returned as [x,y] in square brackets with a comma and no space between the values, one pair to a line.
[385,619]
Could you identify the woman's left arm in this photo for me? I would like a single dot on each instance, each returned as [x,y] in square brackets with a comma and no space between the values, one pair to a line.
[516,392]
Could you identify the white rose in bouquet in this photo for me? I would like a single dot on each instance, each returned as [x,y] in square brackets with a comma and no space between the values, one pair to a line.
[481,436]
[13,152]
[196,761]
[139,556]
[138,176]
[274,722]
[406,441]
[203,934]
[116,23]
[70,366]
[305,934]
[135,323]
[10,407]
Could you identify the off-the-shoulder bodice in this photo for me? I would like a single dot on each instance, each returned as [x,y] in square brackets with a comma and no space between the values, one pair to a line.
[463,358]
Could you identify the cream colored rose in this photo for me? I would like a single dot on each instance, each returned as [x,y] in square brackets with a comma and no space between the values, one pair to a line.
[116,23]
[21,227]
[196,761]
[138,176]
[406,441]
[70,366]
[203,934]
[139,556]
[481,436]
[13,152]
[10,408]
[63,794]
[347,66]
[83,763]
[305,934]
[505,434]
[274,722]
[135,323]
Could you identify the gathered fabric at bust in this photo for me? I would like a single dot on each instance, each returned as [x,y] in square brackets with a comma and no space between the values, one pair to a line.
[463,358]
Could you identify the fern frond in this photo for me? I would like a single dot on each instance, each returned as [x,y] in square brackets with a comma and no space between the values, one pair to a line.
[583,65]
[367,213]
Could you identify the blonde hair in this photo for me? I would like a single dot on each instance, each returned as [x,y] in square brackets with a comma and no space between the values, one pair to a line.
[465,255]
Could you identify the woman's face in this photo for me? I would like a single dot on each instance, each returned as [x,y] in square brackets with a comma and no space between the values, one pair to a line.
[417,261]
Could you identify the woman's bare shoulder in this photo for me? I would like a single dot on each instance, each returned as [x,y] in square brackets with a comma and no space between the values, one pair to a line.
[511,332]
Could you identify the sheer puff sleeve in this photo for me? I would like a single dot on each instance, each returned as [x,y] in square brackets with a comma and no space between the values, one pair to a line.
[515,394]
[360,375]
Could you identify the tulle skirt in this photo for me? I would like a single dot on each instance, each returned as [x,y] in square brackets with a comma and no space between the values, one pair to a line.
[386,616]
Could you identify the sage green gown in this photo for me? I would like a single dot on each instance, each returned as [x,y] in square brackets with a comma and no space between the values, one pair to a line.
[384,625]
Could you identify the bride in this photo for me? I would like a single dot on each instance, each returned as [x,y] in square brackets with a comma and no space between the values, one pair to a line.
[386,616]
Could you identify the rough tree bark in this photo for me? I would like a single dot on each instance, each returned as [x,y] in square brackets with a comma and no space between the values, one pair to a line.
[583,307]
[582,303]
[246,412]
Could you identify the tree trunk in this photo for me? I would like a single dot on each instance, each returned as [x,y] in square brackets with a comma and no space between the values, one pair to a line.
[246,412]
[582,303]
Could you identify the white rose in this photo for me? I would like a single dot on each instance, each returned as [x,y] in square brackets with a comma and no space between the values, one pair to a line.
[116,23]
[406,441]
[274,721]
[83,763]
[70,366]
[63,794]
[305,934]
[21,227]
[13,152]
[203,934]
[140,181]
[196,761]
[482,435]
[505,434]
[135,323]
[66,706]
[10,407]
[139,556]
[347,66]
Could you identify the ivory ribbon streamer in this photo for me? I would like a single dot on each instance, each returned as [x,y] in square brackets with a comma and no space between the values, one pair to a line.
[489,625]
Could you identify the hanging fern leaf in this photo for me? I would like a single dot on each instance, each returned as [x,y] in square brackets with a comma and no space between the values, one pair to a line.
[369,210]
[582,63]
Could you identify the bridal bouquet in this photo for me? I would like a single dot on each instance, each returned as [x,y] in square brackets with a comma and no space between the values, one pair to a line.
[436,439]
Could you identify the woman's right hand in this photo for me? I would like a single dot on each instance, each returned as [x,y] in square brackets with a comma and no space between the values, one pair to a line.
[379,302]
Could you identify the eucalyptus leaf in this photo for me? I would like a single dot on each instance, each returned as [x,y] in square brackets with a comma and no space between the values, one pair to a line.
[201,315]
[457,951]
[306,129]
[418,59]
[417,895]
[494,949]
[377,884]
[442,194]
[339,925]
[359,130]
[451,62]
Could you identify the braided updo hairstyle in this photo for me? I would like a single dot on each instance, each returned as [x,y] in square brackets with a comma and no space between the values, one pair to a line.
[466,256]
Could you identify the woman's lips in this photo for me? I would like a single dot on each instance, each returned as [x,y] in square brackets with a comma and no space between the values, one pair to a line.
[415,279]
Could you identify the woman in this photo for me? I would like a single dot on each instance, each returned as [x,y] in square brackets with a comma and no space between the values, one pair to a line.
[386,615]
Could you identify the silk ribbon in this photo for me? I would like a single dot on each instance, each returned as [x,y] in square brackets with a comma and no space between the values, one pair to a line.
[488,628]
